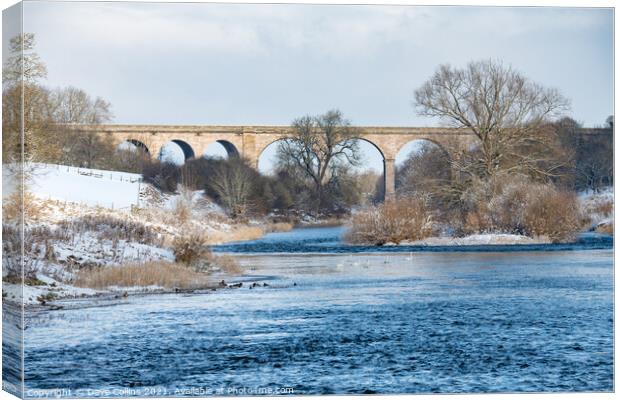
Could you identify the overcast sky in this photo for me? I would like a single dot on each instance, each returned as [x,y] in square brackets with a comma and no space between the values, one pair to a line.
[268,64]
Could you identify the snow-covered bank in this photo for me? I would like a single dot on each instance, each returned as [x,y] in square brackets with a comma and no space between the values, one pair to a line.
[598,207]
[81,220]
[479,239]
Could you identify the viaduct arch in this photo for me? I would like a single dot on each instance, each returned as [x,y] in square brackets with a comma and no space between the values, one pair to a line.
[250,141]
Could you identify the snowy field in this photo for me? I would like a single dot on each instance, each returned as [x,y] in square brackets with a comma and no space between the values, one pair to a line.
[91,187]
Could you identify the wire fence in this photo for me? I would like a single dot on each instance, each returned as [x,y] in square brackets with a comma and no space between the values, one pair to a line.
[95,173]
[115,176]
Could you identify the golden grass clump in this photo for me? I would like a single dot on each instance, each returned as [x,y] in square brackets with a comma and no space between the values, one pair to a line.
[279,227]
[237,234]
[155,273]
[227,264]
[605,207]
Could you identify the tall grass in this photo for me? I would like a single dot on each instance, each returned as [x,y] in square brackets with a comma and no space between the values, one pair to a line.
[192,251]
[238,233]
[278,227]
[157,273]
[226,263]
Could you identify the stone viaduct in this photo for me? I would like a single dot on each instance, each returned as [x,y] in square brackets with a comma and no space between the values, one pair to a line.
[250,141]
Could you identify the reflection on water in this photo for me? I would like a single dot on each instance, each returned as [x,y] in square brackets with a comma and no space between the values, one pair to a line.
[344,323]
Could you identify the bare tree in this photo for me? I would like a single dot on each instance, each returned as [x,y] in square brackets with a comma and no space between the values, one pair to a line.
[73,107]
[595,162]
[319,144]
[370,182]
[232,183]
[504,109]
[23,64]
[33,115]
[26,116]
[425,170]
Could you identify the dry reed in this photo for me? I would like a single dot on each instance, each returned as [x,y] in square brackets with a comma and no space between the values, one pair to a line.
[157,273]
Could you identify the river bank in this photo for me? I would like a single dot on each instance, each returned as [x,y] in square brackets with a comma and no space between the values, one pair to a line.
[327,240]
[111,297]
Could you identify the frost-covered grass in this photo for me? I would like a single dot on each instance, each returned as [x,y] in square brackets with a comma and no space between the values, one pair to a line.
[598,209]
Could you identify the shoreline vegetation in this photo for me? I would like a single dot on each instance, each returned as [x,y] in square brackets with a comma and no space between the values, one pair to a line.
[74,251]
[509,210]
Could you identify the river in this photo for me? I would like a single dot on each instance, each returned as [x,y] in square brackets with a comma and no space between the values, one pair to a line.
[329,318]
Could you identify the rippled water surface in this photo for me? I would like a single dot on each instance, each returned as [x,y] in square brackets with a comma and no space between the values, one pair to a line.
[330,322]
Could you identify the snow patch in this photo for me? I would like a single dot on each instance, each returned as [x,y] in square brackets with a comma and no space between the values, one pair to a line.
[598,206]
[478,239]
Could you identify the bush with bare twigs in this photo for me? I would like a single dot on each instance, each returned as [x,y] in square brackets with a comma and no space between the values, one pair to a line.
[392,222]
[190,249]
[183,207]
[20,253]
[20,204]
[514,204]
[553,214]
